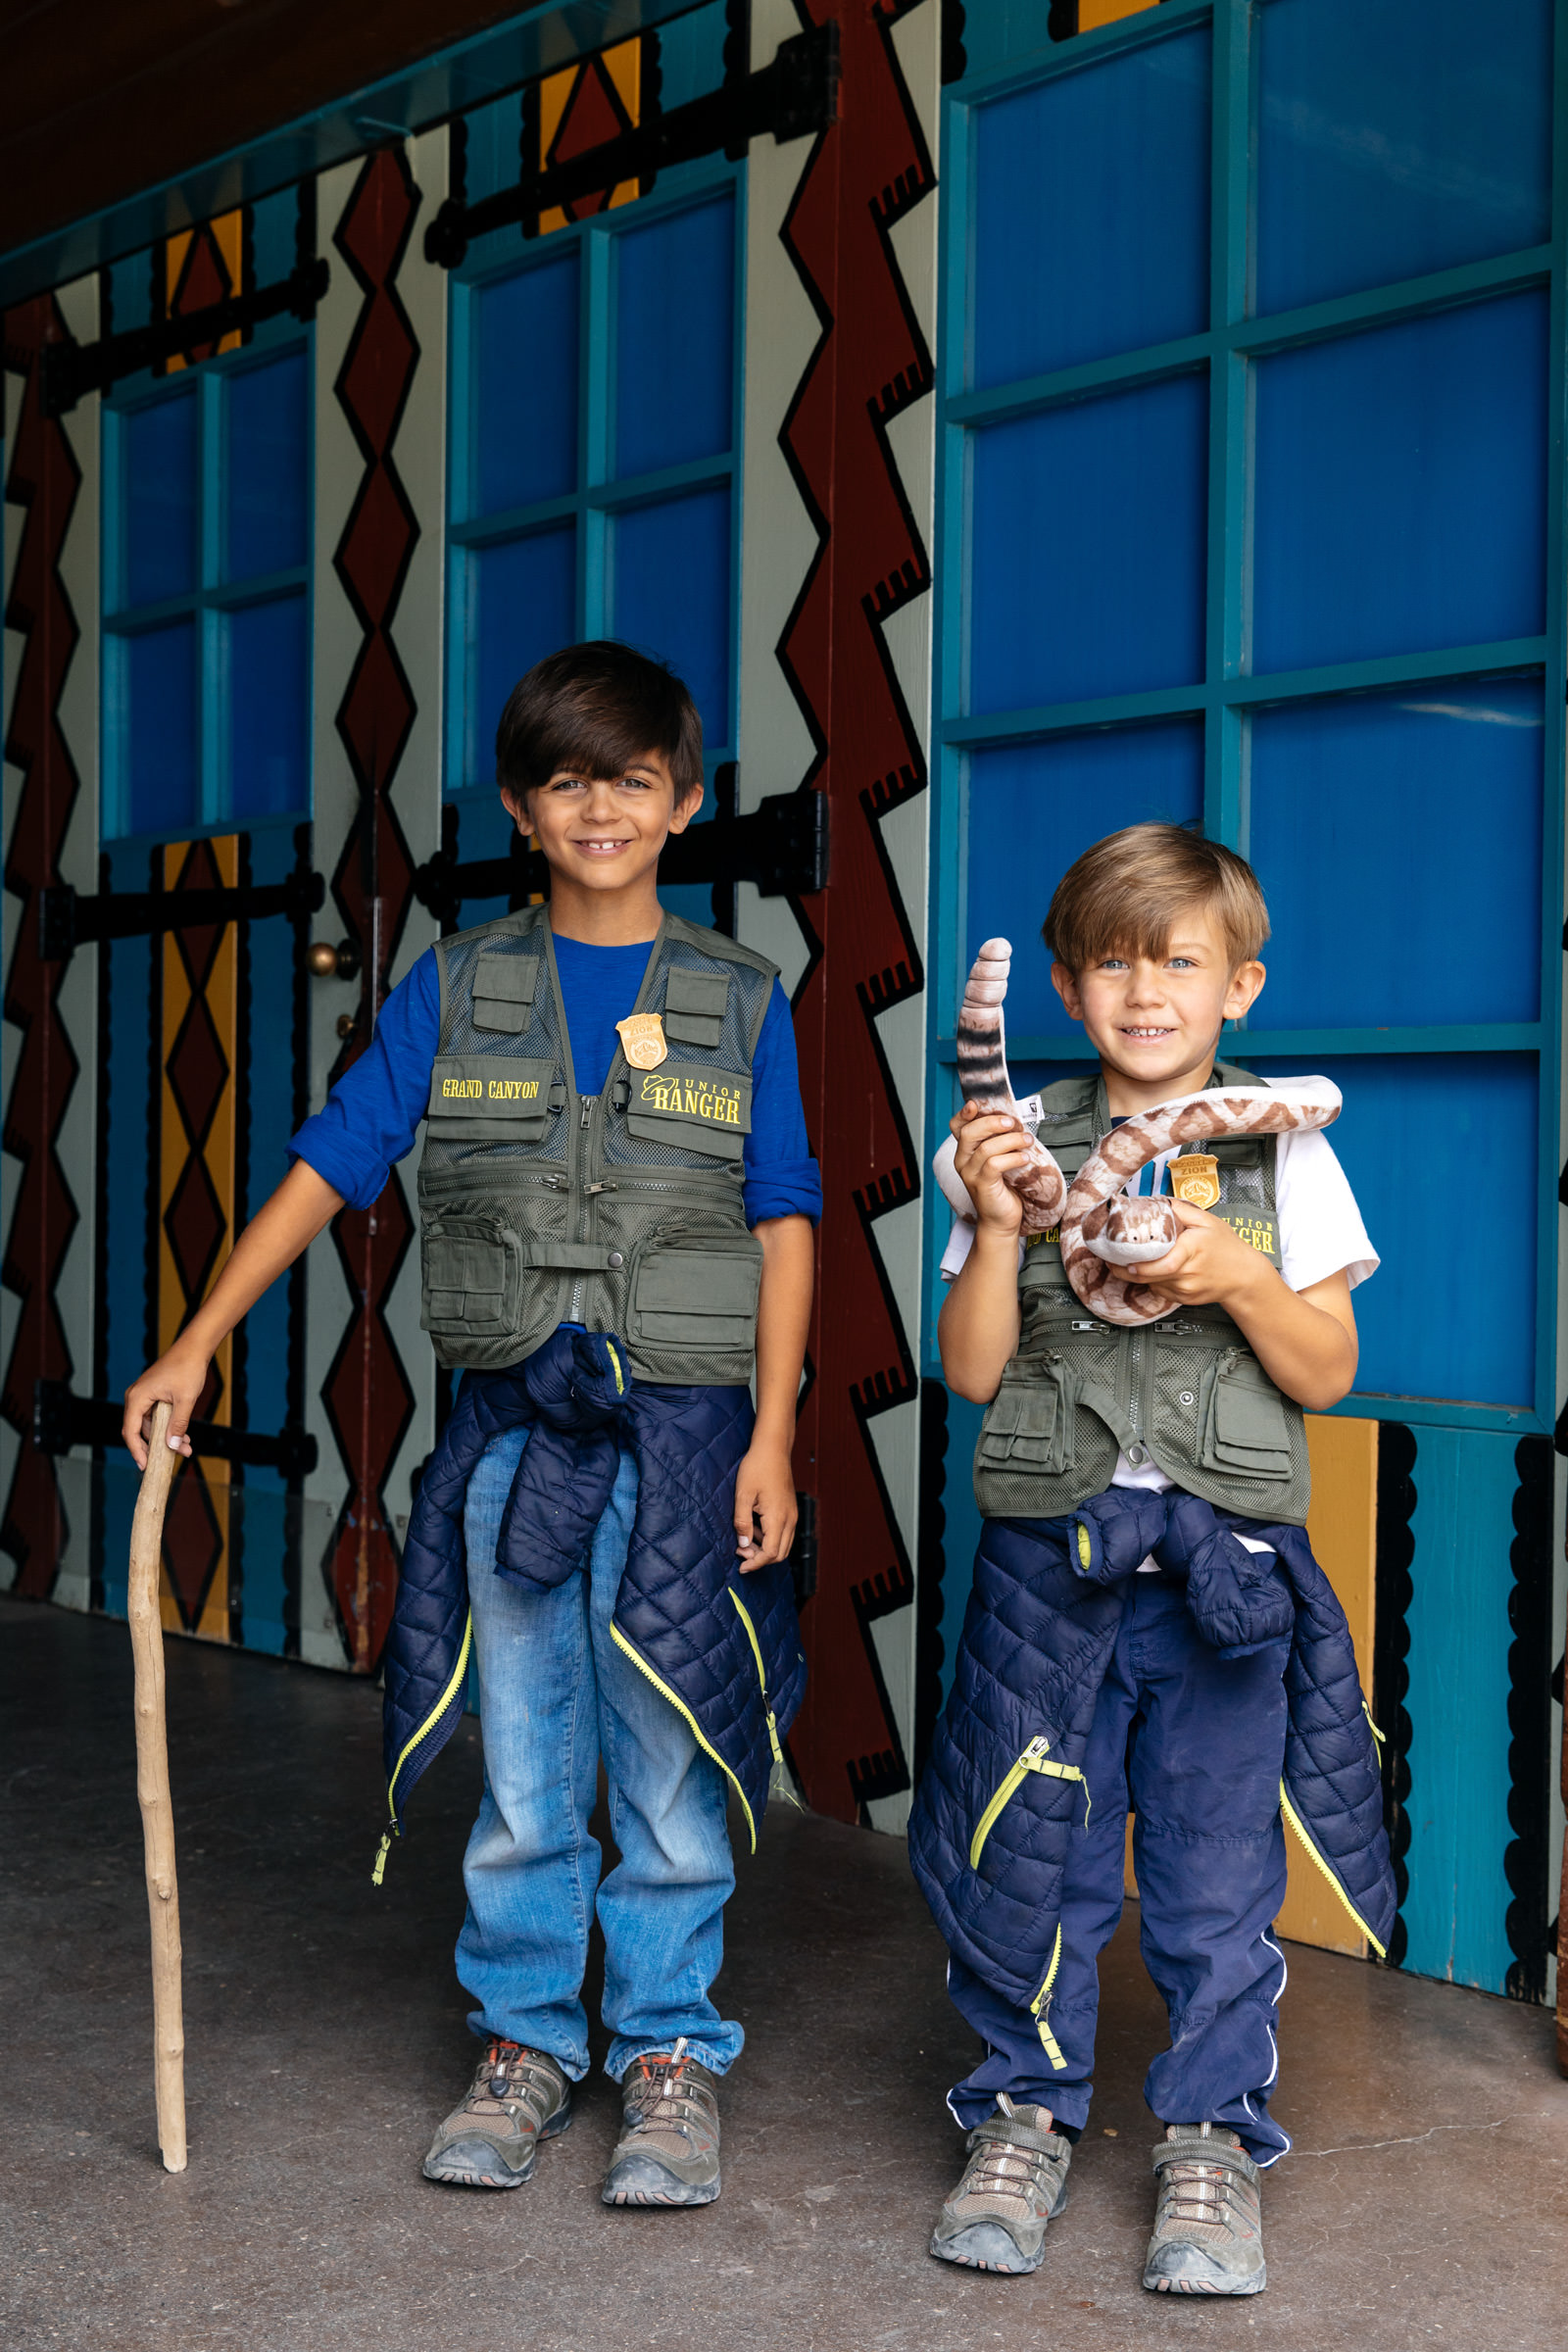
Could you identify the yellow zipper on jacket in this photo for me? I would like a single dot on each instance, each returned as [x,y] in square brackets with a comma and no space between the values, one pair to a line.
[1040,2009]
[642,1667]
[459,1674]
[1294,1820]
[1033,1759]
[762,1675]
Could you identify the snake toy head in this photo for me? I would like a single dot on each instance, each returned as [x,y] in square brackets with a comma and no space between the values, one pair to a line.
[1131,1229]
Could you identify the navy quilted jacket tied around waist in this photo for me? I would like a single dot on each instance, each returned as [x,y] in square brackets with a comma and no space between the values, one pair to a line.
[722,1647]
[1037,1640]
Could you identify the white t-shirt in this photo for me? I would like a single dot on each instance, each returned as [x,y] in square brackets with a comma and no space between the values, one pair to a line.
[1320,1233]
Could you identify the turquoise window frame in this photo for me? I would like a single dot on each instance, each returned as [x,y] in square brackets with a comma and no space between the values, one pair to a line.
[598,496]
[207,603]
[1228,694]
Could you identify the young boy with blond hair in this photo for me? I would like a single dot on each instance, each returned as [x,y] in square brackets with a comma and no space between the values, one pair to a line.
[1147,1628]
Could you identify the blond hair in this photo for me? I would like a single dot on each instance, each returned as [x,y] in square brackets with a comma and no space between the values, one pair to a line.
[1123,895]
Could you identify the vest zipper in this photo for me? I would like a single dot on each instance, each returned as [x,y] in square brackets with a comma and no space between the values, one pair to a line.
[1040,2009]
[706,1746]
[584,1219]
[1297,1823]
[1033,1759]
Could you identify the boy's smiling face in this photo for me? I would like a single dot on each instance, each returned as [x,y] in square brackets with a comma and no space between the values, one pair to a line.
[1156,1021]
[604,834]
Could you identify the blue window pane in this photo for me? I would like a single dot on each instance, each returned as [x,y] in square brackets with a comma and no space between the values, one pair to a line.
[1091,196]
[1413,1131]
[265,472]
[159,452]
[1033,808]
[672,596]
[522,606]
[1433,796]
[159,681]
[268,703]
[1401,488]
[676,339]
[1398,138]
[1087,551]
[525,388]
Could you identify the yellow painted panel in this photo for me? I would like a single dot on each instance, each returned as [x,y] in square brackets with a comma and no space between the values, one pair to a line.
[625,66]
[1342,1528]
[554,92]
[1092,14]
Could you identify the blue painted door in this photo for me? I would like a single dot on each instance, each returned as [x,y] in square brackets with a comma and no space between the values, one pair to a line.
[207,499]
[595,466]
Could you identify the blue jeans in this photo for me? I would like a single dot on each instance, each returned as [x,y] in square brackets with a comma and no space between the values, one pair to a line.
[554,1694]
[1198,1743]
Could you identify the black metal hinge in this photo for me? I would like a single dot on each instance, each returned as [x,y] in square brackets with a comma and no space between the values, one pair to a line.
[68,369]
[794,96]
[802,1551]
[68,920]
[781,846]
[61,1420]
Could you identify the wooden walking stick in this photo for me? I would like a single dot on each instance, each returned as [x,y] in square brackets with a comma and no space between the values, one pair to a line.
[151,1787]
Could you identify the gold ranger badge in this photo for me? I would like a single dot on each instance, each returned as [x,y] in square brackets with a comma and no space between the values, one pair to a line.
[1195,1178]
[642,1039]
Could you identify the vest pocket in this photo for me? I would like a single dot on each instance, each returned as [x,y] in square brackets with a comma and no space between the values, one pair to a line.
[489,1099]
[471,1278]
[682,1107]
[696,1291]
[1028,1423]
[1240,1419]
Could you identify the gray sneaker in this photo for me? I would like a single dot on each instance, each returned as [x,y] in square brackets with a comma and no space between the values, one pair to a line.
[1208,2224]
[667,2153]
[1014,2183]
[519,2097]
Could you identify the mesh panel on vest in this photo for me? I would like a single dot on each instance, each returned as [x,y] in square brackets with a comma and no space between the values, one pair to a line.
[1187,1393]
[621,1212]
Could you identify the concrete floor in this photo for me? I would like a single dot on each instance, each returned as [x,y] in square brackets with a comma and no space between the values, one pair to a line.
[1427,2201]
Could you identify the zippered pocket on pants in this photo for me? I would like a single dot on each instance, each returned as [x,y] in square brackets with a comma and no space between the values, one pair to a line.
[1035,1758]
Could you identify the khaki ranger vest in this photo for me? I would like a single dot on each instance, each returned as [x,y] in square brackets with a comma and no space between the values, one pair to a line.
[1187,1394]
[622,1210]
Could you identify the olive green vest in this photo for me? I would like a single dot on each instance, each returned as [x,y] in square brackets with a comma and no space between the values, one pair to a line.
[622,1210]
[1187,1394]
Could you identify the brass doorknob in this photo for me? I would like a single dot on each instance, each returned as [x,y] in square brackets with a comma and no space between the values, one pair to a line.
[326,963]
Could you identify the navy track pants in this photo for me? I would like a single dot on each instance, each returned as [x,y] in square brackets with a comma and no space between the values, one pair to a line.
[1196,1744]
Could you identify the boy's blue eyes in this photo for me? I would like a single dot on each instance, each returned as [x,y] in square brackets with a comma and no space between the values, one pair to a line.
[1178,963]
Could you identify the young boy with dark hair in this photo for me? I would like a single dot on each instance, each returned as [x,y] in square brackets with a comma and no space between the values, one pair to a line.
[1147,1625]
[617,1200]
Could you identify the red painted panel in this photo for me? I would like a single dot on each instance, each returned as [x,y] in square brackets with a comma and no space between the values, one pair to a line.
[872,361]
[45,480]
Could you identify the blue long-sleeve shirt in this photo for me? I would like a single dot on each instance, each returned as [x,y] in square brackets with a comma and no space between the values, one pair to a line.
[371,1117]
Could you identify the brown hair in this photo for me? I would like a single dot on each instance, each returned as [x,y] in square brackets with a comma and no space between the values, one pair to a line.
[1123,895]
[594,711]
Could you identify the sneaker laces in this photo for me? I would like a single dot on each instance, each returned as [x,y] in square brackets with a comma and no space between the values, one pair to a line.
[1000,2168]
[1197,2195]
[513,2072]
[666,2093]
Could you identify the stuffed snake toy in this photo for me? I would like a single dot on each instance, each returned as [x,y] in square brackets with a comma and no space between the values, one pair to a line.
[1104,1227]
